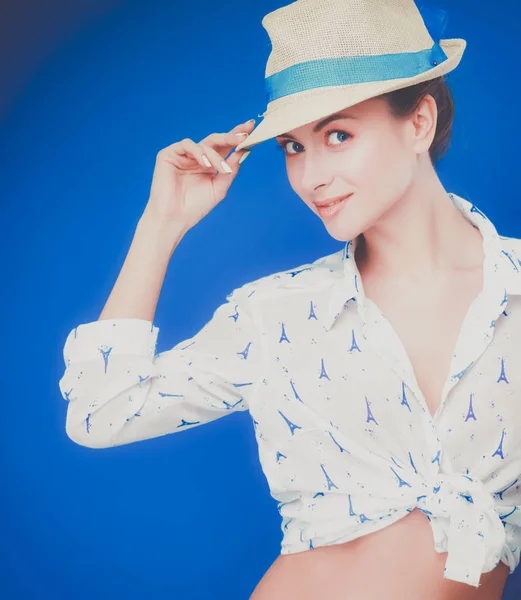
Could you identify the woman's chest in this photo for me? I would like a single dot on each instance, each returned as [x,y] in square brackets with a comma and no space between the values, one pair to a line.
[335,390]
[428,323]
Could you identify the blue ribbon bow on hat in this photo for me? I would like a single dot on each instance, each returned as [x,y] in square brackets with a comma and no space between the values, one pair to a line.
[435,20]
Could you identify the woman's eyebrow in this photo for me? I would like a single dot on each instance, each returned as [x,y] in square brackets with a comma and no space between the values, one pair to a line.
[319,126]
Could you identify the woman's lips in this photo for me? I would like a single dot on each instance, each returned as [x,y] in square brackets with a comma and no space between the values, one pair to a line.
[330,211]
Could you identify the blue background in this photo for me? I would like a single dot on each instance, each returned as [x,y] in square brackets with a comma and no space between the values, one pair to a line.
[91,91]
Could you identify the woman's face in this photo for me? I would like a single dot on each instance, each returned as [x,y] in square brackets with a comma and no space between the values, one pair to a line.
[372,155]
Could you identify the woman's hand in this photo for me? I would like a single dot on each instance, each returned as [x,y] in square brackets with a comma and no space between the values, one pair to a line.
[184,189]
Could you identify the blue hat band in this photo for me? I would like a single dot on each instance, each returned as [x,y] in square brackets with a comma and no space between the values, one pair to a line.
[347,70]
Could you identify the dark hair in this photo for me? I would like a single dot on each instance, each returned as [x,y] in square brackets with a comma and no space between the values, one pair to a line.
[403,103]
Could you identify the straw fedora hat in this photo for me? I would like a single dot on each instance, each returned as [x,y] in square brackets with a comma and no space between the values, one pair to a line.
[328,55]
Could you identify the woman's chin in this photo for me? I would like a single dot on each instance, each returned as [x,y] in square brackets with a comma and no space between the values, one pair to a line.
[339,233]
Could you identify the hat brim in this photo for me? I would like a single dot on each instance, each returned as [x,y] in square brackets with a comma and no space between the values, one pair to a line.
[289,112]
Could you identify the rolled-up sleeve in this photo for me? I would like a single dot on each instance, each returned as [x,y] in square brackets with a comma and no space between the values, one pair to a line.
[119,391]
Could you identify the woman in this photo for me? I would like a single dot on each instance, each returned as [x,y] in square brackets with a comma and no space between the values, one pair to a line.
[420,261]
[382,379]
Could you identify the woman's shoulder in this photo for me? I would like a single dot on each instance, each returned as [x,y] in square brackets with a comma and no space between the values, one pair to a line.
[297,277]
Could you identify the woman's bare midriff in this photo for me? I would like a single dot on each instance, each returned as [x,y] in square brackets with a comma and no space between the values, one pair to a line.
[396,562]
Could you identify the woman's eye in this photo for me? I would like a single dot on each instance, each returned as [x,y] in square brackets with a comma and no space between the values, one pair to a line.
[341,132]
[288,143]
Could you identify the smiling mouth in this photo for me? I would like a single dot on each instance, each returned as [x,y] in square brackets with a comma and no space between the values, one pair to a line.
[331,210]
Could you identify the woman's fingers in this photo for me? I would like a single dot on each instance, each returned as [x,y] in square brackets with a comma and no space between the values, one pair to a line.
[219,141]
[211,152]
[217,160]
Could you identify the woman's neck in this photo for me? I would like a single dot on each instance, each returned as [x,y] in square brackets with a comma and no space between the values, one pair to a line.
[420,241]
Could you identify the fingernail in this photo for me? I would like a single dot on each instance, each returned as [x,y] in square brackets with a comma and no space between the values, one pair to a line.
[251,121]
[244,156]
[226,167]
[242,133]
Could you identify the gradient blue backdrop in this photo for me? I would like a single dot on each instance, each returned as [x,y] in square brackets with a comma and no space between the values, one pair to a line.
[168,518]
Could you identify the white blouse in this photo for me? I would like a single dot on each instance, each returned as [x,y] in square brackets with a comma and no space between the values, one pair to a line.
[345,438]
